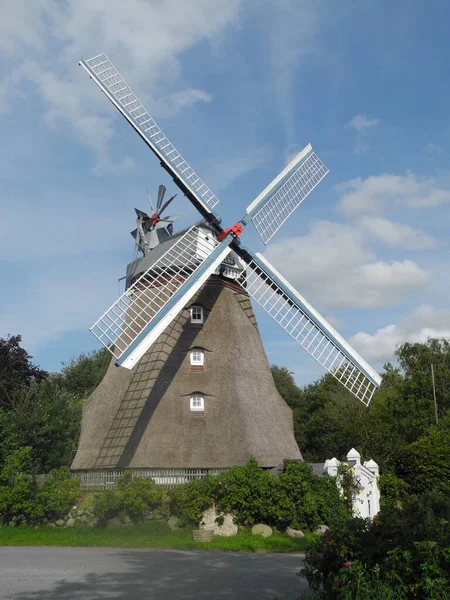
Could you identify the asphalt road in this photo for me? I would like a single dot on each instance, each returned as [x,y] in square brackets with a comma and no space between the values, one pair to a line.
[34,573]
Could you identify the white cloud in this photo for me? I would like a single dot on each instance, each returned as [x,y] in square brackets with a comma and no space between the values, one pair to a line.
[373,194]
[363,124]
[230,168]
[174,103]
[290,29]
[145,38]
[397,235]
[332,266]
[425,322]
[23,26]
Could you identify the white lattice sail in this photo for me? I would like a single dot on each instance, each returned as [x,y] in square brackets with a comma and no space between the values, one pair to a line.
[308,328]
[286,192]
[145,309]
[106,76]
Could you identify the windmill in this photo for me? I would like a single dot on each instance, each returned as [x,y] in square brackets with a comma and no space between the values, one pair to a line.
[171,280]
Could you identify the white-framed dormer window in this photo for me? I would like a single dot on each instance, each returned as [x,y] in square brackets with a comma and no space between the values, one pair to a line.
[197,314]
[197,357]
[197,403]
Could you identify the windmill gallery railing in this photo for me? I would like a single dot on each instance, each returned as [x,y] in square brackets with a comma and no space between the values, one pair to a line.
[106,479]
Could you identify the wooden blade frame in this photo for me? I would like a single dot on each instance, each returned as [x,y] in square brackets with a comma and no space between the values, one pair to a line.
[307,327]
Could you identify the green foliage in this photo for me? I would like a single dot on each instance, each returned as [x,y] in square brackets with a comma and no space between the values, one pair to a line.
[394,491]
[310,500]
[408,549]
[328,420]
[19,462]
[21,498]
[134,496]
[137,495]
[43,411]
[82,375]
[58,493]
[425,463]
[189,501]
[295,497]
[106,505]
[16,368]
[47,418]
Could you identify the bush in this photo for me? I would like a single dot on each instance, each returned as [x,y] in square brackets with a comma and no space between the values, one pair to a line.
[408,550]
[22,500]
[18,494]
[137,496]
[295,497]
[189,501]
[58,493]
[425,463]
[134,496]
[394,492]
[106,505]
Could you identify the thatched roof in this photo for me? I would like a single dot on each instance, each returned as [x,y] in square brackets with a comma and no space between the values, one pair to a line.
[142,418]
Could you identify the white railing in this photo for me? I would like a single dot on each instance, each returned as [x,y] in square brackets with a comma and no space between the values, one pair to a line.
[106,479]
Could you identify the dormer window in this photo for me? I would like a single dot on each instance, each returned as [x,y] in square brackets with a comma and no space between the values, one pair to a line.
[197,314]
[197,403]
[197,357]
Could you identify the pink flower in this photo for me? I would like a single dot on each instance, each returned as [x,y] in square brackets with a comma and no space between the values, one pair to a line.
[347,564]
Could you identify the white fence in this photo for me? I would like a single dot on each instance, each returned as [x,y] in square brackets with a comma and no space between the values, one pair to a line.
[106,479]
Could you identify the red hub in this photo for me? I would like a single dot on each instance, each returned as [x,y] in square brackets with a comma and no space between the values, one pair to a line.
[236,230]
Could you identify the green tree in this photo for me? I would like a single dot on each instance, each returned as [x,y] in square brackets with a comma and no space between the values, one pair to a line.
[425,464]
[46,418]
[16,368]
[83,374]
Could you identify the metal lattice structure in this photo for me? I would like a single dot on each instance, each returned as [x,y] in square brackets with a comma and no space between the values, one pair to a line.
[308,329]
[140,304]
[276,204]
[132,109]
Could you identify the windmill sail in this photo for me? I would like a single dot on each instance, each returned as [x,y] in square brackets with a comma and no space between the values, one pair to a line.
[285,193]
[109,80]
[308,328]
[130,326]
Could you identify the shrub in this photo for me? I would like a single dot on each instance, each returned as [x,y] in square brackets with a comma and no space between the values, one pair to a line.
[57,493]
[137,496]
[312,500]
[106,505]
[24,500]
[295,498]
[408,550]
[134,496]
[425,463]
[189,501]
[18,495]
[394,491]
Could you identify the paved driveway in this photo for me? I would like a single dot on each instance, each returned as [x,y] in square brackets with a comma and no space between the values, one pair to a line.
[91,573]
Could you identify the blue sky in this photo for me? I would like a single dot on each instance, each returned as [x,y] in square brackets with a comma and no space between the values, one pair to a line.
[238,87]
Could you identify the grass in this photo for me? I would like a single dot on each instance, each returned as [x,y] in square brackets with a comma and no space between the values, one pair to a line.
[150,534]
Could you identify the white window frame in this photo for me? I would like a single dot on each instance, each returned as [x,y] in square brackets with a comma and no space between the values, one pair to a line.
[197,403]
[197,357]
[197,314]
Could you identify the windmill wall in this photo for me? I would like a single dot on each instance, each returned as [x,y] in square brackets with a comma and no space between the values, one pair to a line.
[141,419]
